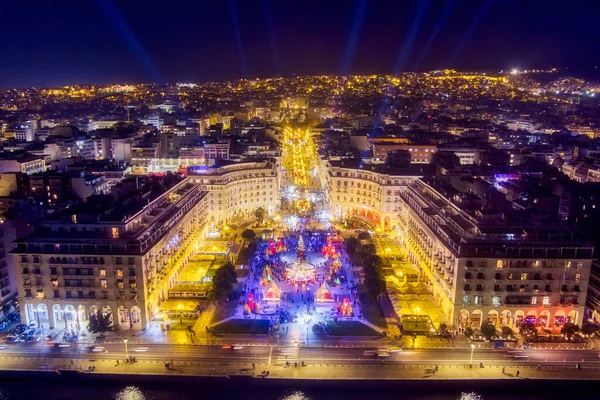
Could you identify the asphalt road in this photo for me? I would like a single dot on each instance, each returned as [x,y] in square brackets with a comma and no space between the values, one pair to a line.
[310,355]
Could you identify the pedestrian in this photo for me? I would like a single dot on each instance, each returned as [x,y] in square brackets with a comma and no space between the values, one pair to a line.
[436,368]
[503,370]
[518,373]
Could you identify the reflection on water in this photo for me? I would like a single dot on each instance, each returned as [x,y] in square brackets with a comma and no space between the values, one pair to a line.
[297,395]
[130,393]
[469,396]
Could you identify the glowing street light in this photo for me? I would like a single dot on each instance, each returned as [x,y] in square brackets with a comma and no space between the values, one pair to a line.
[471,360]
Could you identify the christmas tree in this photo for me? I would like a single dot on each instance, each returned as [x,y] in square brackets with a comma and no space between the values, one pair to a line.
[301,244]
[301,249]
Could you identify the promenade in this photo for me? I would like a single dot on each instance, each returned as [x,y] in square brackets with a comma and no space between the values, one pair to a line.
[310,372]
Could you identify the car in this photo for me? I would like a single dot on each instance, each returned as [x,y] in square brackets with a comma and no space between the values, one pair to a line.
[369,353]
[237,347]
[11,339]
[20,328]
[32,339]
[383,354]
[395,349]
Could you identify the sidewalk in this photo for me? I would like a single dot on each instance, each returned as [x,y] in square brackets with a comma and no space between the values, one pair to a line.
[311,371]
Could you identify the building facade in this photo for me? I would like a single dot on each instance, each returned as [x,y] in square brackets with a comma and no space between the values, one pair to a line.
[237,189]
[115,263]
[370,194]
[418,153]
[489,268]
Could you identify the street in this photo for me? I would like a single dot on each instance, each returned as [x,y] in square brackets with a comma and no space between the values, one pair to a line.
[278,355]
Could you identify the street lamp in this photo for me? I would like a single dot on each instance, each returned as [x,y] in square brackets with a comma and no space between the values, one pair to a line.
[307,334]
[471,360]
[126,352]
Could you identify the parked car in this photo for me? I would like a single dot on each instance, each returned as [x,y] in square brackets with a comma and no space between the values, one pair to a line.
[32,339]
[10,339]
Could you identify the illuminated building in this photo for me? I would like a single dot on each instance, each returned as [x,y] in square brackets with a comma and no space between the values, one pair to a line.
[486,265]
[121,261]
[420,154]
[22,162]
[494,266]
[237,189]
[367,193]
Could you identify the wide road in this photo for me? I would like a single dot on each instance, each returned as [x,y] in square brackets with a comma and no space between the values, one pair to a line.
[311,355]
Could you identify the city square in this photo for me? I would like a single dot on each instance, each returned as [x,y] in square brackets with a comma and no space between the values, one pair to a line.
[296,200]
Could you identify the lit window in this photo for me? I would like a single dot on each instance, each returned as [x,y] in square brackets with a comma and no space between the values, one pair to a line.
[546,300]
[524,276]
[120,273]
[496,301]
[499,264]
[102,272]
[534,300]
[115,232]
[103,283]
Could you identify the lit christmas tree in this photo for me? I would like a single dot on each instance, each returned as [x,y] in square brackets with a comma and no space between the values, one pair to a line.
[301,247]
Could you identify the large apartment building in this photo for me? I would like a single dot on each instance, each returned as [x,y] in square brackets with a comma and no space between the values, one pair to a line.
[481,264]
[121,260]
[368,193]
[237,189]
[501,267]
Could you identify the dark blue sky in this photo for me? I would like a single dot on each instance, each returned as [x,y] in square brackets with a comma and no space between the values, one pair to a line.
[48,43]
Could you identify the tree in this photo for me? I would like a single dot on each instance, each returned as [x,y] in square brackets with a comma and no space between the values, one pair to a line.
[350,245]
[100,323]
[368,249]
[364,235]
[488,331]
[469,332]
[260,213]
[373,264]
[375,285]
[569,330]
[248,234]
[507,332]
[588,328]
[222,282]
[527,329]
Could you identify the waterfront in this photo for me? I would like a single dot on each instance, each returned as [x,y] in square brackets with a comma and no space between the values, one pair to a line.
[147,388]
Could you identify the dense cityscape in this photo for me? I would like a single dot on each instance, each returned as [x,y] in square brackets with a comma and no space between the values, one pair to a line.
[266,219]
[299,200]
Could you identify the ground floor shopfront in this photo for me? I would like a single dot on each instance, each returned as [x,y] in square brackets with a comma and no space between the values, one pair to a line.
[547,317]
[74,315]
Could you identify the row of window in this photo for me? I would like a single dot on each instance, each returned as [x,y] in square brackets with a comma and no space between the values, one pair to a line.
[536,264]
[523,276]
[496,301]
[75,260]
[520,288]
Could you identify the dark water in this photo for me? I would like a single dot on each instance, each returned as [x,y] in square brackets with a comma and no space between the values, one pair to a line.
[163,388]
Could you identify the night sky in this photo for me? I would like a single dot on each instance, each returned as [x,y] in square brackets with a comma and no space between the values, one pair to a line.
[50,43]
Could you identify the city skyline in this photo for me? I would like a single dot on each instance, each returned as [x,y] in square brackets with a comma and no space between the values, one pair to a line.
[106,42]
